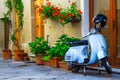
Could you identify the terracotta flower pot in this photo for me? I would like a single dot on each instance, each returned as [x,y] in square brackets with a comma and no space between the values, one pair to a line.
[63,65]
[6,54]
[39,60]
[18,55]
[54,61]
[46,63]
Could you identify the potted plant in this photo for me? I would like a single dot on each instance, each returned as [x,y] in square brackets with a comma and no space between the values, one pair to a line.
[15,34]
[70,14]
[63,64]
[58,51]
[46,59]
[39,47]
[6,53]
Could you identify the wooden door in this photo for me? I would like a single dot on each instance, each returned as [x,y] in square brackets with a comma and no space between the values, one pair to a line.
[116,31]
[112,10]
[38,27]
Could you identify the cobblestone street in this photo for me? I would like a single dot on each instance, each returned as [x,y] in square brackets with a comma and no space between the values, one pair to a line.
[11,70]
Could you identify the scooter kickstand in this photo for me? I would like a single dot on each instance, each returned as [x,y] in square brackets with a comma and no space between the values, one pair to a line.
[99,72]
[99,65]
[84,69]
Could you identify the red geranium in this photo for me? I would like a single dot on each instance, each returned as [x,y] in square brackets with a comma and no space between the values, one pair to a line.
[62,14]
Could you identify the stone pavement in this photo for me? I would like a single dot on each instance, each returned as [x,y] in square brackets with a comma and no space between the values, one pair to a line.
[11,70]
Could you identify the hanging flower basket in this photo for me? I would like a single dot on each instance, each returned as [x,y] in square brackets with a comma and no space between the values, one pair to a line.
[74,19]
[64,15]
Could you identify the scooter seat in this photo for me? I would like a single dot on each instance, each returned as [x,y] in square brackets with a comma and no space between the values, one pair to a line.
[78,43]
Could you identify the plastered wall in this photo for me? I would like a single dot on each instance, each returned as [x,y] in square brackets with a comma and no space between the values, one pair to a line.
[1,36]
[2,8]
[26,32]
[51,27]
[54,29]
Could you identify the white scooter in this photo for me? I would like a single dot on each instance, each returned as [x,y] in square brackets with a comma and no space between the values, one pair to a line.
[77,55]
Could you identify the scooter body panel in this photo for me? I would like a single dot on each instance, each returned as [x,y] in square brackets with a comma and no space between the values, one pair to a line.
[101,54]
[98,48]
[77,54]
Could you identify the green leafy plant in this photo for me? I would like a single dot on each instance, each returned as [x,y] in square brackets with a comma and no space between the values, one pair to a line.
[61,46]
[64,15]
[46,58]
[7,15]
[19,7]
[7,21]
[39,46]
[70,13]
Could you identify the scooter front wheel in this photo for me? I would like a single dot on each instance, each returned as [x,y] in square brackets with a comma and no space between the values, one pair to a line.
[106,65]
[75,69]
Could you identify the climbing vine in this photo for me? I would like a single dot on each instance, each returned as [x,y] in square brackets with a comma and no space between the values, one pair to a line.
[7,14]
[18,7]
[19,10]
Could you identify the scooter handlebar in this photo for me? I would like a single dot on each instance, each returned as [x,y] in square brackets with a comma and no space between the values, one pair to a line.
[86,35]
[92,31]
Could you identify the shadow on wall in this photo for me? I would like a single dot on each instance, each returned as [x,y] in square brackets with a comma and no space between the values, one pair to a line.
[1,36]
[0,53]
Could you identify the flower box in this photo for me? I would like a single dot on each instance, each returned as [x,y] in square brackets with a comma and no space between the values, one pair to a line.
[54,61]
[63,65]
[6,54]
[46,63]
[18,55]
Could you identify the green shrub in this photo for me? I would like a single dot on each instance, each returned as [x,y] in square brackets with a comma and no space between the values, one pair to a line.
[39,46]
[61,46]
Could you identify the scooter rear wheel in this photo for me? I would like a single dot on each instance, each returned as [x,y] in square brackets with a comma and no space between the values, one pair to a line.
[106,65]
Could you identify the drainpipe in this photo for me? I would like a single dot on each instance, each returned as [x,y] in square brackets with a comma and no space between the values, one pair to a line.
[84,4]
